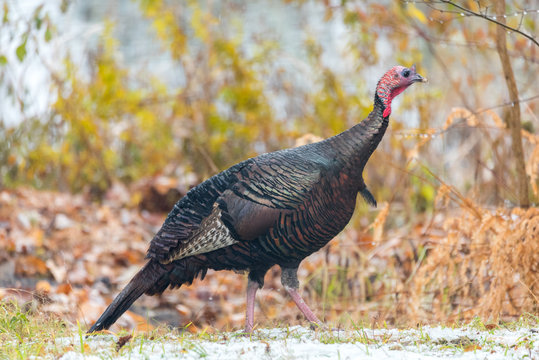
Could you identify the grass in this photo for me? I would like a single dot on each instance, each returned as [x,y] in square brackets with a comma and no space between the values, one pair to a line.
[25,333]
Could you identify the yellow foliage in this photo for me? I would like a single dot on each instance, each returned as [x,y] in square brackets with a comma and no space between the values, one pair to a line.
[414,12]
[118,125]
[95,116]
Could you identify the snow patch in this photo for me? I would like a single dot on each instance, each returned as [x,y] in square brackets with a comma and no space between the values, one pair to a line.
[301,343]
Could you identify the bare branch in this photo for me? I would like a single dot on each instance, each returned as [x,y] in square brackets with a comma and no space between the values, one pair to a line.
[513,116]
[484,16]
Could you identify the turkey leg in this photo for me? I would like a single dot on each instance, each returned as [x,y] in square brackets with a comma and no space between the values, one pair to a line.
[252,287]
[289,279]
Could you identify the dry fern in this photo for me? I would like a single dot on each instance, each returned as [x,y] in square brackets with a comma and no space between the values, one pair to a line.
[486,266]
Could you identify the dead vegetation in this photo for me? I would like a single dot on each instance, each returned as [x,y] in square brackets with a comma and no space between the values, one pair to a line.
[68,256]
[472,253]
[486,265]
[64,254]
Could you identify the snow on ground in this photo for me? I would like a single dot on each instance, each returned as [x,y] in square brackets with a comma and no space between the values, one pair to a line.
[302,343]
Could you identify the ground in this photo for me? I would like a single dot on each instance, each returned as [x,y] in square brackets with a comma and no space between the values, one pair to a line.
[301,343]
[63,258]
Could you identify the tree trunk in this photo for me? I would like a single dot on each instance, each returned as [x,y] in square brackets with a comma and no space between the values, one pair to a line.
[513,120]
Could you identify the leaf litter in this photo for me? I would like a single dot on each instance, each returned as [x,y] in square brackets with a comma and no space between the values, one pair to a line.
[69,256]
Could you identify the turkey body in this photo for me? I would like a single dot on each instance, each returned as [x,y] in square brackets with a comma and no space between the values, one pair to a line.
[277,208]
[280,208]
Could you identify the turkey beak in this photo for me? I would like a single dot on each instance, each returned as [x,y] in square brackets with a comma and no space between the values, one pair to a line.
[419,78]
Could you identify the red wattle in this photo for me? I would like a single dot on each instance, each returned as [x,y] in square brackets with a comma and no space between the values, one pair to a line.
[387,111]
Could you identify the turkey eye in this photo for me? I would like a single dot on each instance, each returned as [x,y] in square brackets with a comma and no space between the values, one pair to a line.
[406,73]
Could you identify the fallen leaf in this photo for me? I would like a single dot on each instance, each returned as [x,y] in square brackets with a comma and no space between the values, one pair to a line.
[183,310]
[63,289]
[62,221]
[472,347]
[43,286]
[37,235]
[144,327]
[130,256]
[122,341]
[58,272]
[140,322]
[30,265]
[192,328]
[267,346]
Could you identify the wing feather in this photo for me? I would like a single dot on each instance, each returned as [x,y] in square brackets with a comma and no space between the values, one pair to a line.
[238,204]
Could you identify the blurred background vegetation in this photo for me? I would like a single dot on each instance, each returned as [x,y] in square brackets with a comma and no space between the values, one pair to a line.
[96,93]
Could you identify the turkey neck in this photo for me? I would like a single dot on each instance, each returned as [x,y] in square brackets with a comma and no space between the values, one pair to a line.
[357,144]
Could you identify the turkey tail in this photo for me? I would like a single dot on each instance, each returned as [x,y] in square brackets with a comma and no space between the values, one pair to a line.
[144,280]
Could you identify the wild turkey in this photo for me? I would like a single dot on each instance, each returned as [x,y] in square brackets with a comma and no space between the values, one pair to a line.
[276,208]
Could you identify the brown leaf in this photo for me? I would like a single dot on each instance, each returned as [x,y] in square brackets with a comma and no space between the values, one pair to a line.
[140,322]
[30,265]
[365,242]
[192,328]
[144,327]
[58,272]
[37,235]
[472,347]
[43,286]
[122,341]
[183,310]
[63,289]
[130,256]
[267,346]
[158,194]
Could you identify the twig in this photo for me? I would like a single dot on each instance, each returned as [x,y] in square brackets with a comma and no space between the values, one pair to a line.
[464,202]
[491,19]
[457,124]
[528,288]
[514,118]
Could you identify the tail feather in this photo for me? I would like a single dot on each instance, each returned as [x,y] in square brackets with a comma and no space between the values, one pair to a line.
[140,284]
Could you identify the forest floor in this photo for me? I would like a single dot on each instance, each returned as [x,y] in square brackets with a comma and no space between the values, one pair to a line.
[301,343]
[64,257]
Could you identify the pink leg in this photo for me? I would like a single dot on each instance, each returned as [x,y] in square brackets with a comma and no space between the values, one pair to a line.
[252,287]
[302,305]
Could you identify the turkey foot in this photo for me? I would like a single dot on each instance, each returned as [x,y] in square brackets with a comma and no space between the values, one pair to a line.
[289,279]
[300,303]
